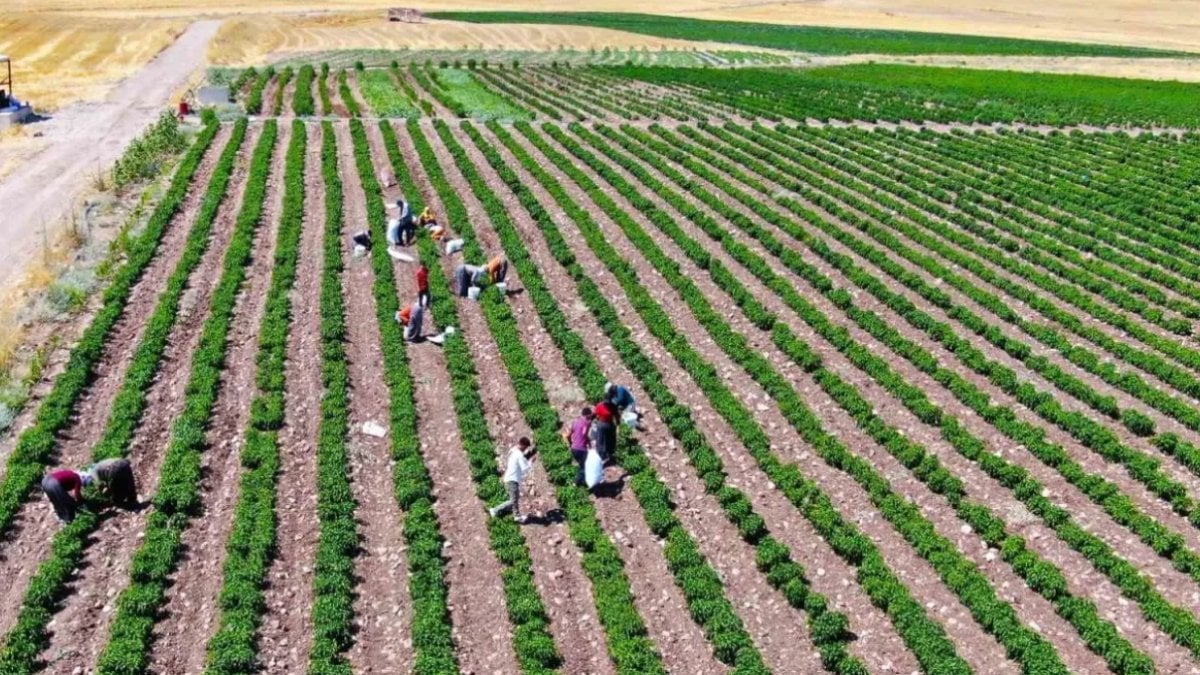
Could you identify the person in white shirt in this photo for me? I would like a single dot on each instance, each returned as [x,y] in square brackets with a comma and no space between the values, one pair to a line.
[518,468]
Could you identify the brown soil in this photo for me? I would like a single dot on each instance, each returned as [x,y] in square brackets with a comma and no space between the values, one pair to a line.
[557,566]
[777,628]
[80,630]
[943,605]
[679,640]
[1084,579]
[268,97]
[190,612]
[29,541]
[382,608]
[483,641]
[286,629]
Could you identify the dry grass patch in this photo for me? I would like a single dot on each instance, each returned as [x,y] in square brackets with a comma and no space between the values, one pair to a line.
[61,59]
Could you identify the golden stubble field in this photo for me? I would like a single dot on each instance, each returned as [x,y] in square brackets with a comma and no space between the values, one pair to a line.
[71,50]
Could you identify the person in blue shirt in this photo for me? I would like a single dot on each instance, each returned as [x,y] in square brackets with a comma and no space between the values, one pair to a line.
[622,399]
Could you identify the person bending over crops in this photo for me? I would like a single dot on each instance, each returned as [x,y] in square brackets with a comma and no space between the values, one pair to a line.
[64,489]
[497,269]
[623,402]
[114,477]
[411,317]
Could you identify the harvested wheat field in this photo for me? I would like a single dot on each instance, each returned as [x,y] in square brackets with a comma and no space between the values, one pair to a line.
[916,375]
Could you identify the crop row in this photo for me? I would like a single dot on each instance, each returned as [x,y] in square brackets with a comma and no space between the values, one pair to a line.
[925,637]
[526,97]
[280,87]
[1126,188]
[960,575]
[432,642]
[1125,576]
[1027,215]
[251,544]
[1140,466]
[628,643]
[406,88]
[302,99]
[323,90]
[1131,383]
[828,629]
[702,588]
[35,446]
[27,638]
[337,543]
[532,642]
[347,96]
[1041,576]
[254,100]
[1150,363]
[177,499]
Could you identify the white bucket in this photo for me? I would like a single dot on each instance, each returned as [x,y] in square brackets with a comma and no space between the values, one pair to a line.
[473,292]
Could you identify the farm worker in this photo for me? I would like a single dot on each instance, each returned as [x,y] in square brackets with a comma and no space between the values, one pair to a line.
[115,478]
[497,269]
[438,233]
[362,242]
[604,430]
[64,489]
[622,400]
[423,297]
[578,438]
[464,278]
[411,317]
[401,230]
[427,218]
[517,469]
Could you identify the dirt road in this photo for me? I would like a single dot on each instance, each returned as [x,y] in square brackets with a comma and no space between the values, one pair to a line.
[83,139]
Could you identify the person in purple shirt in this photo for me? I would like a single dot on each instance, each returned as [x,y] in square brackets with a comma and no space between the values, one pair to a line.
[577,437]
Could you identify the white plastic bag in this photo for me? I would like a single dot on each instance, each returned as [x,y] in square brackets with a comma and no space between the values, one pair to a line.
[629,419]
[454,245]
[593,469]
[473,292]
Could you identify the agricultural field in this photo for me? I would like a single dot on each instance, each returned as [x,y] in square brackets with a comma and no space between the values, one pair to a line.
[920,383]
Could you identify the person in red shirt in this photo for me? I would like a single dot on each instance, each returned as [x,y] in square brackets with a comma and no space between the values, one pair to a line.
[423,296]
[64,489]
[604,430]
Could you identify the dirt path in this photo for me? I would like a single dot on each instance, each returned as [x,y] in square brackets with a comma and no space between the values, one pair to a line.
[85,138]
[190,612]
[382,606]
[80,630]
[286,632]
[29,540]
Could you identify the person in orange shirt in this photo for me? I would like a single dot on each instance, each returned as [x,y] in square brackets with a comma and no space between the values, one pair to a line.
[411,316]
[497,269]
